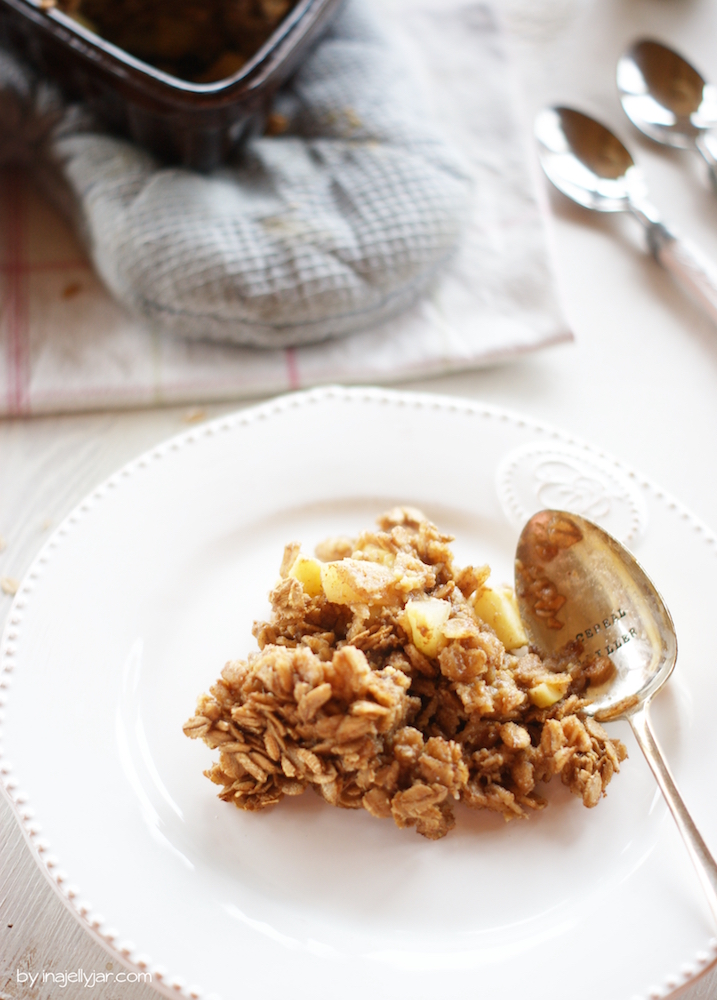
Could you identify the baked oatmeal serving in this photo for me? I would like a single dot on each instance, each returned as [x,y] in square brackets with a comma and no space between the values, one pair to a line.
[199,40]
[390,680]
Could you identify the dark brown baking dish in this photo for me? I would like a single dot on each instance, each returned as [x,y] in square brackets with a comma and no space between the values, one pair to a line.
[195,124]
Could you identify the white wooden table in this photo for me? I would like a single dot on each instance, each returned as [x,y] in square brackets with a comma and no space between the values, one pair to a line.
[640,382]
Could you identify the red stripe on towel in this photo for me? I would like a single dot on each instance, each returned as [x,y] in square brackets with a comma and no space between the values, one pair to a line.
[292,368]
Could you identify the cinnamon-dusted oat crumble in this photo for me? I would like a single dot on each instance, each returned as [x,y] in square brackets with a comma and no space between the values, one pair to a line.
[386,680]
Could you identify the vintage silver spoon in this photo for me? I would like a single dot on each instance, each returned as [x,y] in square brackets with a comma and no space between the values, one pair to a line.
[668,100]
[589,164]
[581,593]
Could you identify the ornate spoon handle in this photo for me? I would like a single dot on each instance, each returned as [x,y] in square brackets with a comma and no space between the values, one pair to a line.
[694,271]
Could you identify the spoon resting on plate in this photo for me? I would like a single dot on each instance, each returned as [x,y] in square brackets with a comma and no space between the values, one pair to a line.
[589,164]
[666,98]
[582,595]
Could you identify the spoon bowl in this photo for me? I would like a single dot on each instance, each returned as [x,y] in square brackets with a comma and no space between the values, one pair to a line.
[586,161]
[584,598]
[668,100]
[664,95]
[609,607]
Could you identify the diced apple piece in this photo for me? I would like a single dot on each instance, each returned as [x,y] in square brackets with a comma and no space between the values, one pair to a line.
[308,572]
[427,619]
[377,554]
[355,581]
[409,582]
[547,693]
[499,609]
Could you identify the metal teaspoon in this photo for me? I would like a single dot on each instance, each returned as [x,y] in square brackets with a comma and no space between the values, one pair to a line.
[667,99]
[590,165]
[580,592]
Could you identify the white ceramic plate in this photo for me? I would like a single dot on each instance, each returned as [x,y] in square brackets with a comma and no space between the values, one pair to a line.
[152,584]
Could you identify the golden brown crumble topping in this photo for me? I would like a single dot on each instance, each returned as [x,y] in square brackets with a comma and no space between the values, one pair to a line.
[387,679]
[199,40]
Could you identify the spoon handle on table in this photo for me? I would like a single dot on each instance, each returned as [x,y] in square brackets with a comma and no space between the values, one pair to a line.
[694,271]
[707,145]
[698,850]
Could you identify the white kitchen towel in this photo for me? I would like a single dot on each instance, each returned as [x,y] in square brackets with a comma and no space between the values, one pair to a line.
[69,346]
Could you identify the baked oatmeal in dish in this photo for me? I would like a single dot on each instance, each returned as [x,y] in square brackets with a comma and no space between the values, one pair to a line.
[199,40]
[390,680]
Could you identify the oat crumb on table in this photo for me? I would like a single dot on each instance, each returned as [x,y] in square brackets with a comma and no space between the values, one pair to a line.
[9,585]
[386,680]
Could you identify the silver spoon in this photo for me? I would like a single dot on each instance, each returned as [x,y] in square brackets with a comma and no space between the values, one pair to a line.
[581,594]
[589,164]
[668,100]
